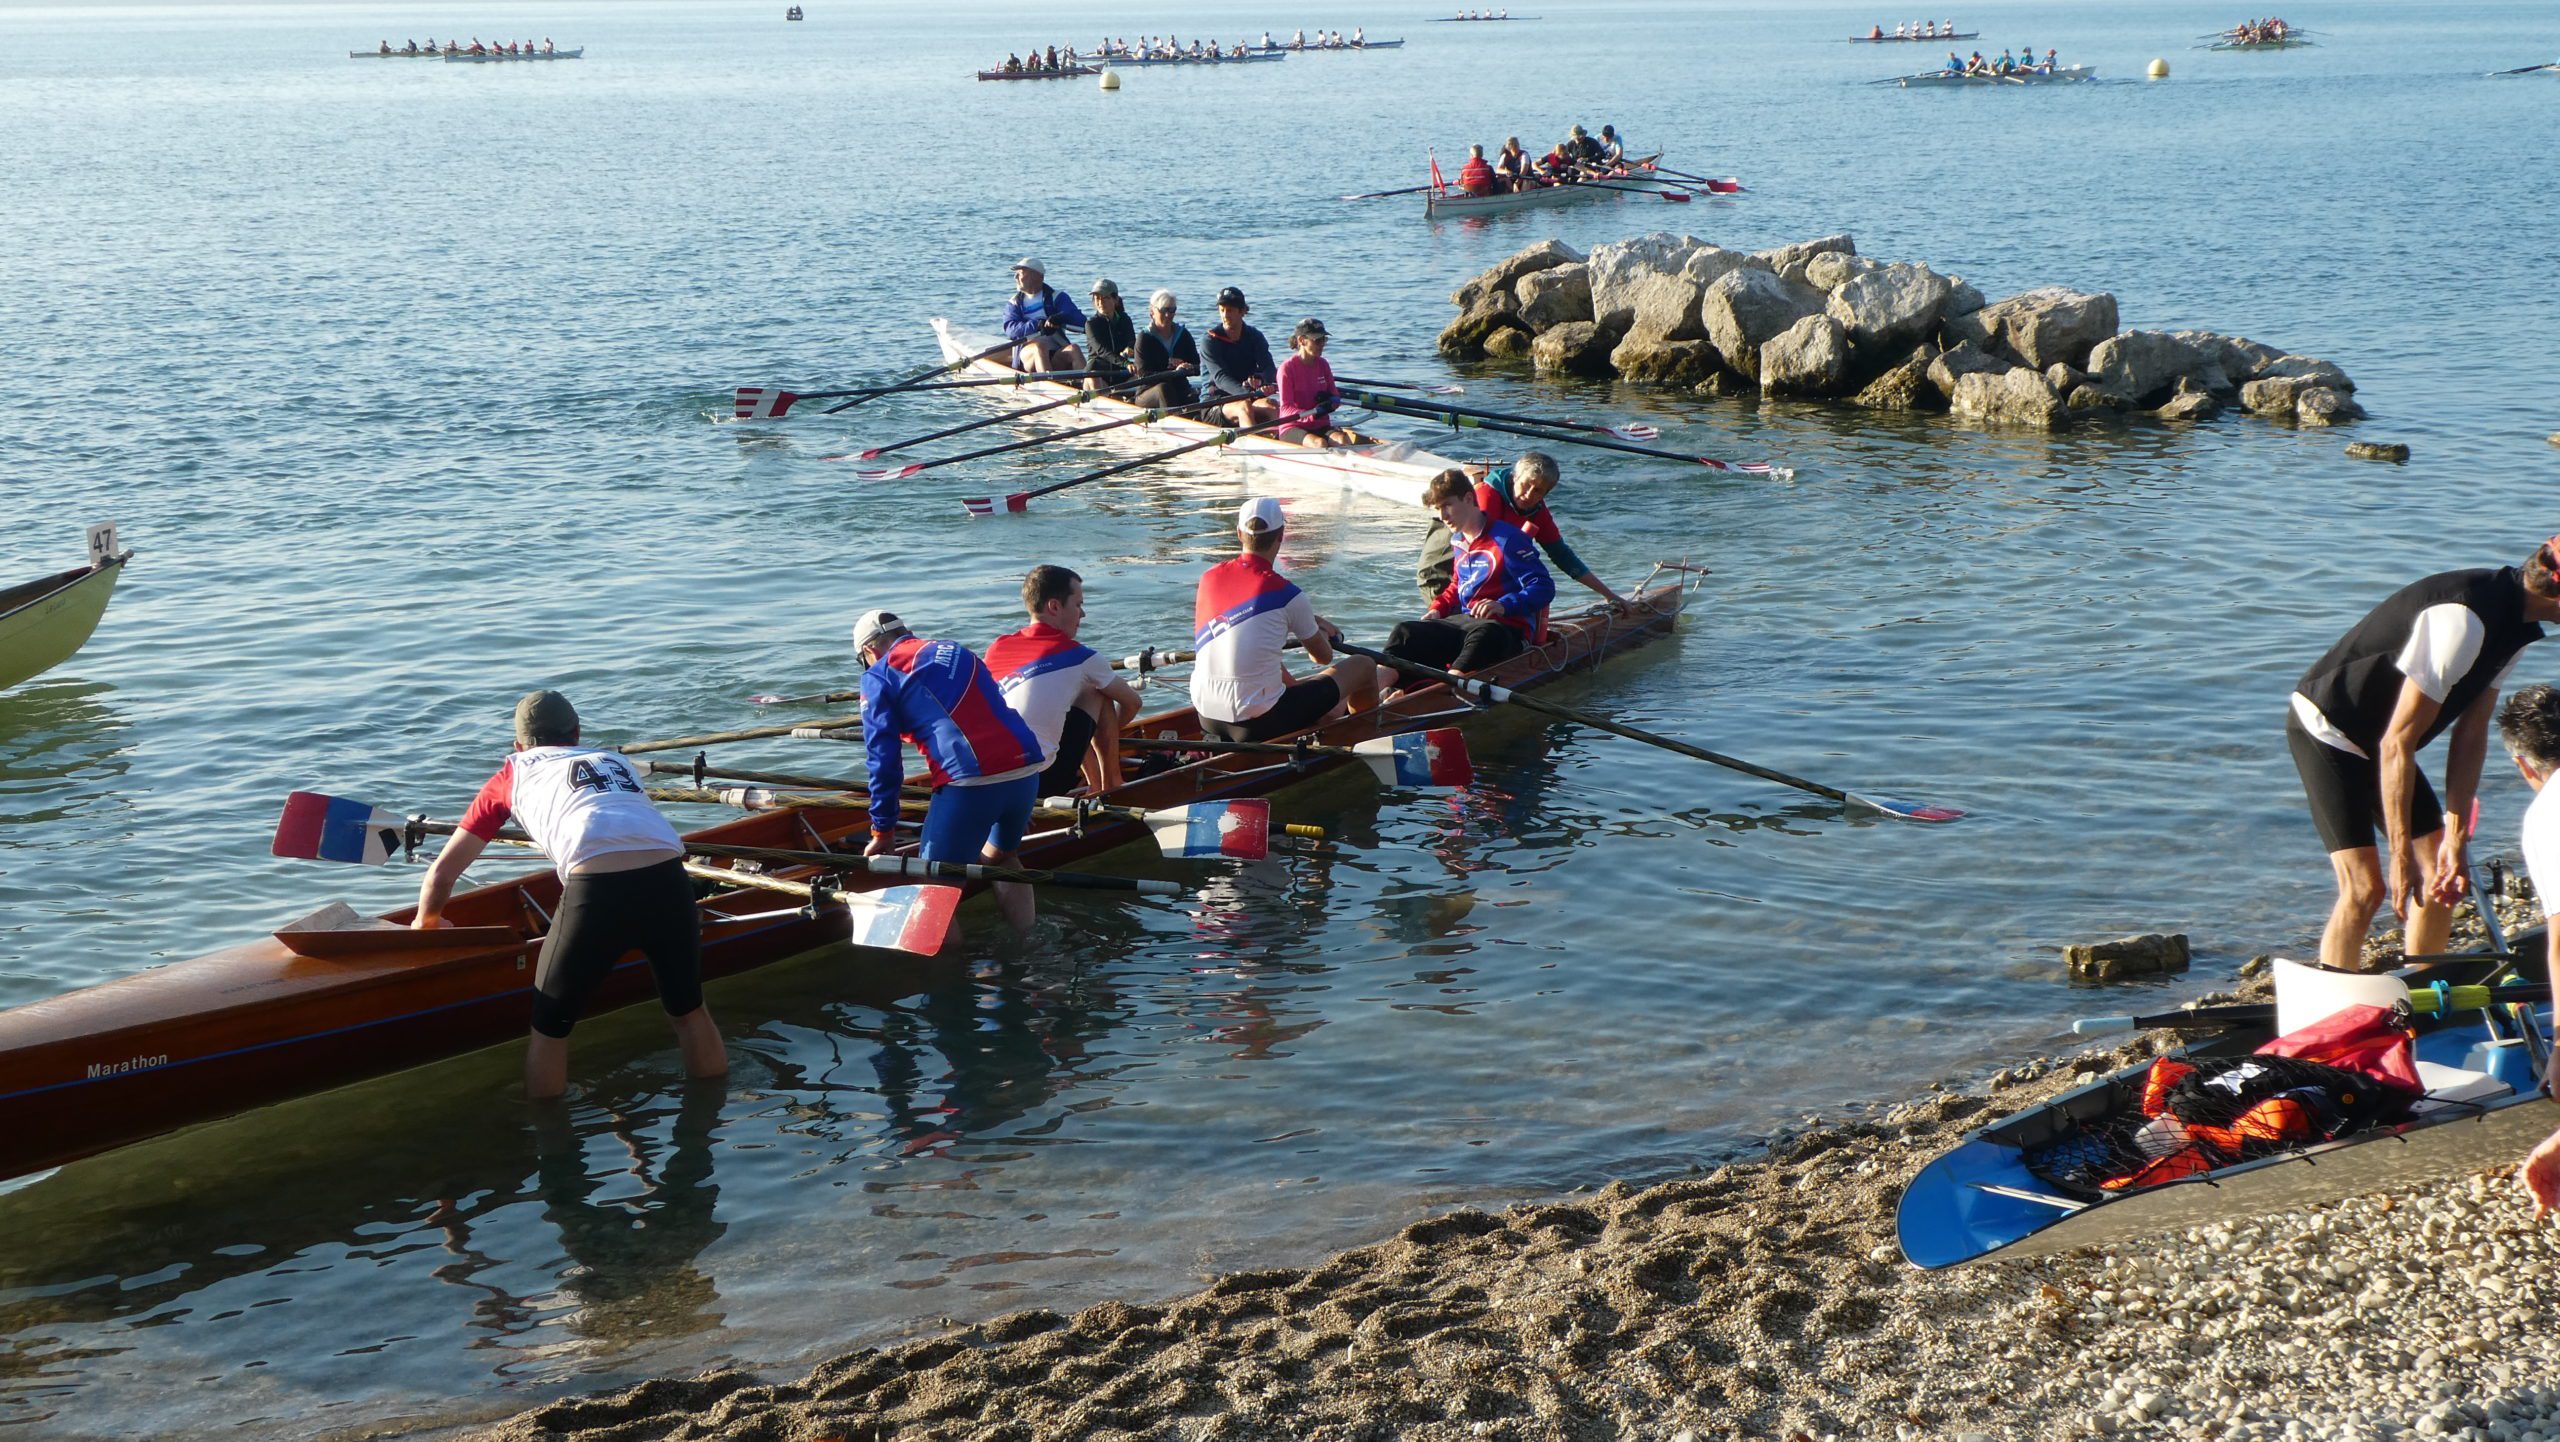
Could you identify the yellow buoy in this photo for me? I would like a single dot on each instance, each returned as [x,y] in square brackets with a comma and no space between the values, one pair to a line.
[1110,78]
[2159,69]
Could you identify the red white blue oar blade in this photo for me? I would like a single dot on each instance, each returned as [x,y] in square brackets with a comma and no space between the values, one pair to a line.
[1238,830]
[1420,760]
[334,828]
[1636,431]
[764,403]
[1908,810]
[903,918]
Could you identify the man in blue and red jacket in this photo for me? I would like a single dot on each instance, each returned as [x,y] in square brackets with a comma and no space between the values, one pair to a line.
[1039,316]
[1495,604]
[984,760]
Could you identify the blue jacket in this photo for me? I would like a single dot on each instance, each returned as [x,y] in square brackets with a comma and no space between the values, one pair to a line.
[939,695]
[1230,367]
[1023,318]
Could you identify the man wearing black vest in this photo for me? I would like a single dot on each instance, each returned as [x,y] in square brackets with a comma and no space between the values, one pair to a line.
[2427,661]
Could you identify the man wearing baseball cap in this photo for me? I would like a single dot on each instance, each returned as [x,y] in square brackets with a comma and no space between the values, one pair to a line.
[1235,363]
[1039,317]
[984,760]
[622,886]
[1244,615]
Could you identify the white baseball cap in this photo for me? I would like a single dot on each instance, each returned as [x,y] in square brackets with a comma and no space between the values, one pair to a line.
[1261,514]
[875,627]
[1033,265]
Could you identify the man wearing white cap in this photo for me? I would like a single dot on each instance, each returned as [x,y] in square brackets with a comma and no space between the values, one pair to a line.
[1039,317]
[1243,616]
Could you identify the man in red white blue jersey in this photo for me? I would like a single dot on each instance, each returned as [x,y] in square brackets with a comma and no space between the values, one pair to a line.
[623,886]
[1243,616]
[1495,603]
[984,760]
[1062,688]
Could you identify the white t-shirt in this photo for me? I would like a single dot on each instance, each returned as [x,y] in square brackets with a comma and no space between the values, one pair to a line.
[1243,616]
[1041,673]
[2442,644]
[2542,847]
[576,802]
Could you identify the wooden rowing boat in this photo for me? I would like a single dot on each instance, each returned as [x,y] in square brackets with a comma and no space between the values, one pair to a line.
[44,623]
[266,1020]
[1069,73]
[1912,39]
[1996,1194]
[1945,79]
[1391,471]
[465,57]
[1450,200]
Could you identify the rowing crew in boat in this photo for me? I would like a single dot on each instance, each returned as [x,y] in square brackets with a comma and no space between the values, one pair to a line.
[1325,40]
[1166,47]
[2007,64]
[1578,157]
[1051,61]
[2258,32]
[453,47]
[1914,30]
[1481,15]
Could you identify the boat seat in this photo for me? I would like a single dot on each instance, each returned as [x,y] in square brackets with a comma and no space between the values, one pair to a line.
[2453,1085]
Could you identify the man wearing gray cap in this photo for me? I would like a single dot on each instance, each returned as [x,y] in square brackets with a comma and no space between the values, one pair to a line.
[1038,318]
[1244,615]
[622,886]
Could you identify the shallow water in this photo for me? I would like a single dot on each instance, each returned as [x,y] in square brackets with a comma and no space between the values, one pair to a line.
[404,378]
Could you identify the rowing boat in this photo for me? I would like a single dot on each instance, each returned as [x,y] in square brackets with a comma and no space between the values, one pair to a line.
[1912,39]
[1942,78]
[1391,471]
[44,623]
[2286,43]
[1476,19]
[341,999]
[1249,56]
[2021,1187]
[1346,45]
[465,57]
[1450,200]
[1066,74]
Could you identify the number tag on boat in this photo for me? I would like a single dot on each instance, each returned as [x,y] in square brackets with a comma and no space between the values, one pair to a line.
[1434,758]
[903,918]
[1235,830]
[333,828]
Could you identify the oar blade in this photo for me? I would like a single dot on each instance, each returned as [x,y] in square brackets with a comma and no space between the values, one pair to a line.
[1014,504]
[315,827]
[912,919]
[1636,431]
[1238,830]
[882,473]
[1908,810]
[1420,760]
[764,403]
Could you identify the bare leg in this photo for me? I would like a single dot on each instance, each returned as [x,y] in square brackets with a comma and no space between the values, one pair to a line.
[1357,677]
[1102,759]
[699,1041]
[2429,927]
[1013,899]
[2359,873]
[546,1066]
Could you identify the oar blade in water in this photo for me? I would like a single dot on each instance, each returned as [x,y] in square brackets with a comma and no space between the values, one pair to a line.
[1636,431]
[1017,503]
[764,403]
[1420,760]
[335,828]
[903,918]
[887,473]
[1238,830]
[1909,810]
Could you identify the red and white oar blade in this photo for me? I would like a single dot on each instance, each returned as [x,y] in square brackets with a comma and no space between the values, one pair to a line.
[1909,810]
[886,473]
[1238,830]
[1636,431]
[1441,390]
[1676,197]
[903,918]
[1016,504]
[764,403]
[334,828]
[1422,760]
[1749,468]
[1726,186]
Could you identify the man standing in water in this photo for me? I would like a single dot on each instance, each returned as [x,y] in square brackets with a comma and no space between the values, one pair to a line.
[2426,661]
[2530,725]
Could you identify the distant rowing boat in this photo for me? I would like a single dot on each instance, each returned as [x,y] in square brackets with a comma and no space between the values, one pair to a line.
[1451,200]
[44,623]
[1346,45]
[2287,42]
[1945,78]
[1476,19]
[1069,73]
[1912,39]
[1250,55]
[465,57]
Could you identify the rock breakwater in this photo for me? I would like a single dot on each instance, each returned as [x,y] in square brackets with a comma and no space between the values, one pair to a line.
[1819,320]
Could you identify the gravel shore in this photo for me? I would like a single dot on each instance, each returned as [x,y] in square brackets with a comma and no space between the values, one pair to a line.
[1762,1299]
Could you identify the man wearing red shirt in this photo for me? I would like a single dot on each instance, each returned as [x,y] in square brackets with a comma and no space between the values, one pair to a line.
[1516,496]
[1495,604]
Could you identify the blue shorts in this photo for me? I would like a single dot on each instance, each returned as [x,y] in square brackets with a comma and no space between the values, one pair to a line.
[964,819]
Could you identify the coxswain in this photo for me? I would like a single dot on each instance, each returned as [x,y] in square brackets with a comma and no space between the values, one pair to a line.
[1243,616]
[1515,495]
[623,886]
[1065,692]
[2426,661]
[1495,603]
[1308,396]
[1511,165]
[1875,32]
[1476,176]
[1236,365]
[2530,725]
[1039,317]
[984,761]
[1110,339]
[1166,349]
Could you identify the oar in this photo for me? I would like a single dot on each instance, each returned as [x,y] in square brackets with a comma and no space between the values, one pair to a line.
[1433,760]
[856,863]
[772,403]
[2524,69]
[1426,387]
[2423,1000]
[1625,431]
[913,919]
[1144,417]
[921,377]
[1465,685]
[1146,663]
[1720,184]
[1234,830]
[751,733]
[1079,398]
[1020,501]
[1392,405]
[1383,194]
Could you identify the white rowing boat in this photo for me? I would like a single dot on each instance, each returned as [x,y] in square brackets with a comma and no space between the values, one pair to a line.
[1450,200]
[1391,471]
[465,57]
[1939,79]
[1319,49]
[1248,57]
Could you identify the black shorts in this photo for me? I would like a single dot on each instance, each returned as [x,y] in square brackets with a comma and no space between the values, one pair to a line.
[2346,792]
[1455,643]
[1302,706]
[1066,769]
[602,916]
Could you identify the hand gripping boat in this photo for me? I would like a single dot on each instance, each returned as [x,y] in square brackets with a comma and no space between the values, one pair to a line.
[2039,1182]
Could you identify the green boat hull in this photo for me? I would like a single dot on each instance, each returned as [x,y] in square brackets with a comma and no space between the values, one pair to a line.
[44,623]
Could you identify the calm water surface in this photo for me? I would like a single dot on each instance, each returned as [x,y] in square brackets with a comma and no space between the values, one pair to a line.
[405,380]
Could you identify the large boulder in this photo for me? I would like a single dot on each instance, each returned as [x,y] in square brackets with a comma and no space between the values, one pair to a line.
[1886,307]
[1645,357]
[2014,397]
[1955,363]
[2050,324]
[1548,298]
[1508,344]
[1963,297]
[2089,398]
[1802,252]
[1746,307]
[1576,347]
[2272,395]
[1809,358]
[1904,387]
[2309,371]
[2321,406]
[2243,360]
[2189,401]
[1618,266]
[1829,270]
[1464,338]
[1505,273]
[2144,366]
